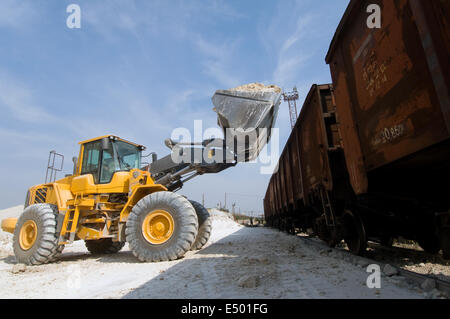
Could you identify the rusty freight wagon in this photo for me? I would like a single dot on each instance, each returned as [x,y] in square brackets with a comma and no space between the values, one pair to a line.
[391,88]
[311,185]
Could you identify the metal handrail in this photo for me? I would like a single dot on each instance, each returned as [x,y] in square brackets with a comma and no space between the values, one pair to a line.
[50,178]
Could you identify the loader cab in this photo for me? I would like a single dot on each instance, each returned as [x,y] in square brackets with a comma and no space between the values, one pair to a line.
[104,156]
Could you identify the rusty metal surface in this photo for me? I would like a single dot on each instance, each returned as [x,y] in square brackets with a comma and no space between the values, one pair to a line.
[289,175]
[294,171]
[304,162]
[391,84]
[313,142]
[282,177]
[438,62]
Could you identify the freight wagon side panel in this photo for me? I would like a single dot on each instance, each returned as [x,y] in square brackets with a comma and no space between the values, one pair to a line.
[313,143]
[386,95]
[288,175]
[294,141]
[304,162]
[278,192]
[282,176]
[295,166]
[275,195]
[268,202]
[271,199]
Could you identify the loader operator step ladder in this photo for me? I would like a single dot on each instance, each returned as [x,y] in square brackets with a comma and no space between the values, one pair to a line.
[50,175]
[69,228]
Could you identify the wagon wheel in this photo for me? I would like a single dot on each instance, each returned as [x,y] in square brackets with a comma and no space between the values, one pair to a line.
[430,243]
[355,233]
[291,229]
[387,241]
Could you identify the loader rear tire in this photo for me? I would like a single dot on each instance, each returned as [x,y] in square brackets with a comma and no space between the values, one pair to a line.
[103,246]
[57,253]
[204,225]
[162,226]
[35,240]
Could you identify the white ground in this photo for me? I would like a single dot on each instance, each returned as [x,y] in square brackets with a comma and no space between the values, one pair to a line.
[276,266]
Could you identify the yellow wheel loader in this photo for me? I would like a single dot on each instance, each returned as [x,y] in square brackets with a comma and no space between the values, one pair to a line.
[109,200]
[113,198]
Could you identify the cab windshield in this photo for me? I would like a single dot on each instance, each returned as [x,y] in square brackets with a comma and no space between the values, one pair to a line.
[128,156]
[120,156]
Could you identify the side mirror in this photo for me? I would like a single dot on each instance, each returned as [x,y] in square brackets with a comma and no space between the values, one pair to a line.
[105,143]
[154,157]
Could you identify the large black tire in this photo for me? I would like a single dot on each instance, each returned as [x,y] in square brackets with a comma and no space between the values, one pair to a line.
[103,246]
[57,253]
[184,231]
[45,247]
[355,237]
[204,225]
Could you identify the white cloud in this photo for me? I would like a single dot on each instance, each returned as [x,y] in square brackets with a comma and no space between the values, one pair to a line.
[17,99]
[218,59]
[174,18]
[294,51]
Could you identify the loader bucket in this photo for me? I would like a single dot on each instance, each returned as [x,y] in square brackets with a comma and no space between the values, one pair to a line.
[246,110]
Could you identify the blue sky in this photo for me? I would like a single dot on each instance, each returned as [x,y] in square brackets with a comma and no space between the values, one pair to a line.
[140,69]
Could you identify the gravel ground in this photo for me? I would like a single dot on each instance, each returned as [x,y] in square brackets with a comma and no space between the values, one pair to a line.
[407,255]
[238,262]
[411,257]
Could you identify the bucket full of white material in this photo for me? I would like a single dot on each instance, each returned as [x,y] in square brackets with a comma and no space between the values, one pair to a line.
[247,114]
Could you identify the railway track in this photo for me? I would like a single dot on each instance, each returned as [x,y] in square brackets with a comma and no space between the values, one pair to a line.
[413,277]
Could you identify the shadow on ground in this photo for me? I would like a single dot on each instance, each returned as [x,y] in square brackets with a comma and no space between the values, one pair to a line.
[213,272]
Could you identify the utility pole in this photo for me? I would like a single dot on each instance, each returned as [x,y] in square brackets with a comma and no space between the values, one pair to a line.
[292,98]
[225,205]
[203,199]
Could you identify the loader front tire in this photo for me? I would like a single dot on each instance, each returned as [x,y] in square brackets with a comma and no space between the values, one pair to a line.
[162,226]
[204,225]
[103,246]
[35,241]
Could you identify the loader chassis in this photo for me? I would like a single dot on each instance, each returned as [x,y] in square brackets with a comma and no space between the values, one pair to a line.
[94,201]
[94,205]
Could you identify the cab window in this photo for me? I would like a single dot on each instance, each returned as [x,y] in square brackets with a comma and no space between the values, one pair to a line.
[91,159]
[109,166]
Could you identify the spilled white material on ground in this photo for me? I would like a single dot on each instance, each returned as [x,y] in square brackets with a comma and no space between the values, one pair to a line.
[237,262]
